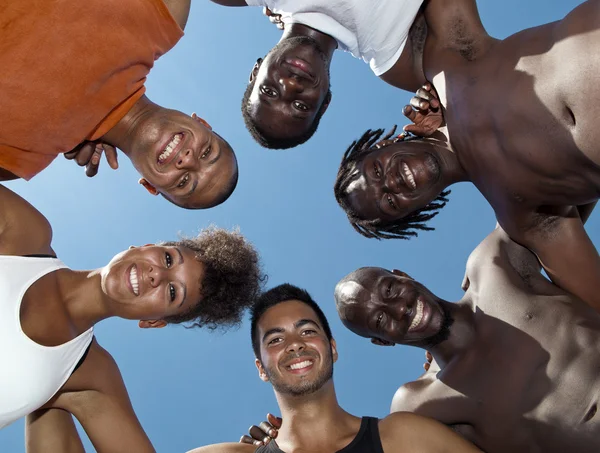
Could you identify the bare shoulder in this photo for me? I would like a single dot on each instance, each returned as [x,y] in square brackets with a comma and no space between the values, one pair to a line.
[404,432]
[228,447]
[411,395]
[23,229]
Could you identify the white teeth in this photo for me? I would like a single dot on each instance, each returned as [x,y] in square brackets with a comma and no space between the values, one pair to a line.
[409,176]
[298,366]
[133,279]
[170,147]
[418,316]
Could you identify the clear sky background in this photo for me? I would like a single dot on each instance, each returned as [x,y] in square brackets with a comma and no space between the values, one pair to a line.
[192,387]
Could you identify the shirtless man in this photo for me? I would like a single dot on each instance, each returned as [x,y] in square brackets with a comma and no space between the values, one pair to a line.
[295,352]
[289,90]
[101,104]
[519,126]
[516,359]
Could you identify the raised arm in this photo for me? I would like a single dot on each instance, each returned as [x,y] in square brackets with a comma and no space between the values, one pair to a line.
[97,396]
[51,430]
[404,432]
[23,229]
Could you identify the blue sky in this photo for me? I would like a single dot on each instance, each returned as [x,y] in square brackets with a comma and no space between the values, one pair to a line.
[191,387]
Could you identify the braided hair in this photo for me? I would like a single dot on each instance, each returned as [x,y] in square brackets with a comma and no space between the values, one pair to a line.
[404,228]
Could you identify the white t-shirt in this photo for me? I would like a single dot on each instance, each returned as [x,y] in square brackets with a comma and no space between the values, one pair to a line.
[374,30]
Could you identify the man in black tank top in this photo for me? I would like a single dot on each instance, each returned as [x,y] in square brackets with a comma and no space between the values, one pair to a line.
[295,352]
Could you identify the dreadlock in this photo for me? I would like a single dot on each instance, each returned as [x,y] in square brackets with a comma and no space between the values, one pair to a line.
[404,228]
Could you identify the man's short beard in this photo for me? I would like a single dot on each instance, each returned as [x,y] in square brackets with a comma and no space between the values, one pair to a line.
[444,332]
[304,387]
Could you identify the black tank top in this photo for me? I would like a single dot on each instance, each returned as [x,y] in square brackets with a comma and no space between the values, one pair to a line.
[366,441]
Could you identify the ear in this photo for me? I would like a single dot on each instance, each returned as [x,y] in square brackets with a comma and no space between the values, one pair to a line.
[255,69]
[380,342]
[131,247]
[149,187]
[202,121]
[334,352]
[261,371]
[401,274]
[155,324]
[326,103]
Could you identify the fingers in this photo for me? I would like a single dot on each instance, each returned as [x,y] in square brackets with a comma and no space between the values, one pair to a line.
[409,112]
[428,356]
[426,366]
[91,169]
[419,103]
[111,156]
[259,434]
[268,429]
[248,440]
[274,421]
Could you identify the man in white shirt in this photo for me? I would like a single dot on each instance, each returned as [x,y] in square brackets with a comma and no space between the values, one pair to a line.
[289,89]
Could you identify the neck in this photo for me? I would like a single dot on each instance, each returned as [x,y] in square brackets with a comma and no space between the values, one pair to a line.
[461,335]
[310,419]
[122,135]
[326,42]
[84,300]
[452,169]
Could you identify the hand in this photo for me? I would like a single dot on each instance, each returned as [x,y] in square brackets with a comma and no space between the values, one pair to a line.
[273,18]
[263,433]
[429,359]
[89,154]
[425,111]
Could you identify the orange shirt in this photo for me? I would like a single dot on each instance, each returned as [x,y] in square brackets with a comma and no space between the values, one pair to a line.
[70,70]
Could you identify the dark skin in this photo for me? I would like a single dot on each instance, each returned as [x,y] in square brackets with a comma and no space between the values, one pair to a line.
[528,144]
[518,370]
[65,303]
[201,168]
[291,333]
[294,93]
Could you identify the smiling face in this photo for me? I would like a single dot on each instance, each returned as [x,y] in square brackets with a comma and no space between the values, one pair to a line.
[290,88]
[395,180]
[183,159]
[153,282]
[295,354]
[390,307]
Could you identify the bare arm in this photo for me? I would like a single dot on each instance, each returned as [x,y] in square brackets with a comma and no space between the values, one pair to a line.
[51,430]
[97,396]
[23,229]
[410,433]
[225,448]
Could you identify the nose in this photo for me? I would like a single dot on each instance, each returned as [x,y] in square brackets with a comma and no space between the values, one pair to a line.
[156,274]
[291,85]
[390,182]
[185,159]
[296,345]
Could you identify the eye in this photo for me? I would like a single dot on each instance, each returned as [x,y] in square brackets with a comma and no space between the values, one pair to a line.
[269,91]
[274,341]
[172,292]
[300,106]
[390,201]
[309,332]
[168,259]
[388,291]
[184,181]
[376,170]
[379,320]
[206,153]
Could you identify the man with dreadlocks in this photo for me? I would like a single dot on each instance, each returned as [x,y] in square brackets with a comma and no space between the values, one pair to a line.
[526,136]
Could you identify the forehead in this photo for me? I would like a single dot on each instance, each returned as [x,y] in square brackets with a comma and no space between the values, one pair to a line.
[277,117]
[286,314]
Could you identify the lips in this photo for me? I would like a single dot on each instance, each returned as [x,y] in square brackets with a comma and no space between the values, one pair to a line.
[132,280]
[300,68]
[408,176]
[168,152]
[300,365]
[420,316]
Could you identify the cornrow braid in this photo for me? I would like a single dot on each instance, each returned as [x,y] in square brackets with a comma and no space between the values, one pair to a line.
[404,228]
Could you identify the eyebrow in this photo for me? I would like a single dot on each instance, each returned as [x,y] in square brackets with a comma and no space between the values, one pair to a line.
[216,158]
[304,322]
[184,286]
[272,331]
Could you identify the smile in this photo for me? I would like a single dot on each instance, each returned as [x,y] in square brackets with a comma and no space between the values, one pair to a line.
[169,149]
[133,280]
[409,177]
[418,317]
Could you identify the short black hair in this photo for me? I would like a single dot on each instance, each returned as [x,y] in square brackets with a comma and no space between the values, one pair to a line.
[262,137]
[404,228]
[232,282]
[275,296]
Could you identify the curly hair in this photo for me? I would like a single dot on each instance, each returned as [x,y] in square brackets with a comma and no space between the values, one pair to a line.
[262,137]
[232,281]
[404,228]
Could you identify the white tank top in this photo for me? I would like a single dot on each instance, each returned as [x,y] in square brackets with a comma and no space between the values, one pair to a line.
[30,374]
[374,30]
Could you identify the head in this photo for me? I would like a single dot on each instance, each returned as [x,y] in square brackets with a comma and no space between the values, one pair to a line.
[292,341]
[391,186]
[182,159]
[208,280]
[287,94]
[391,308]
